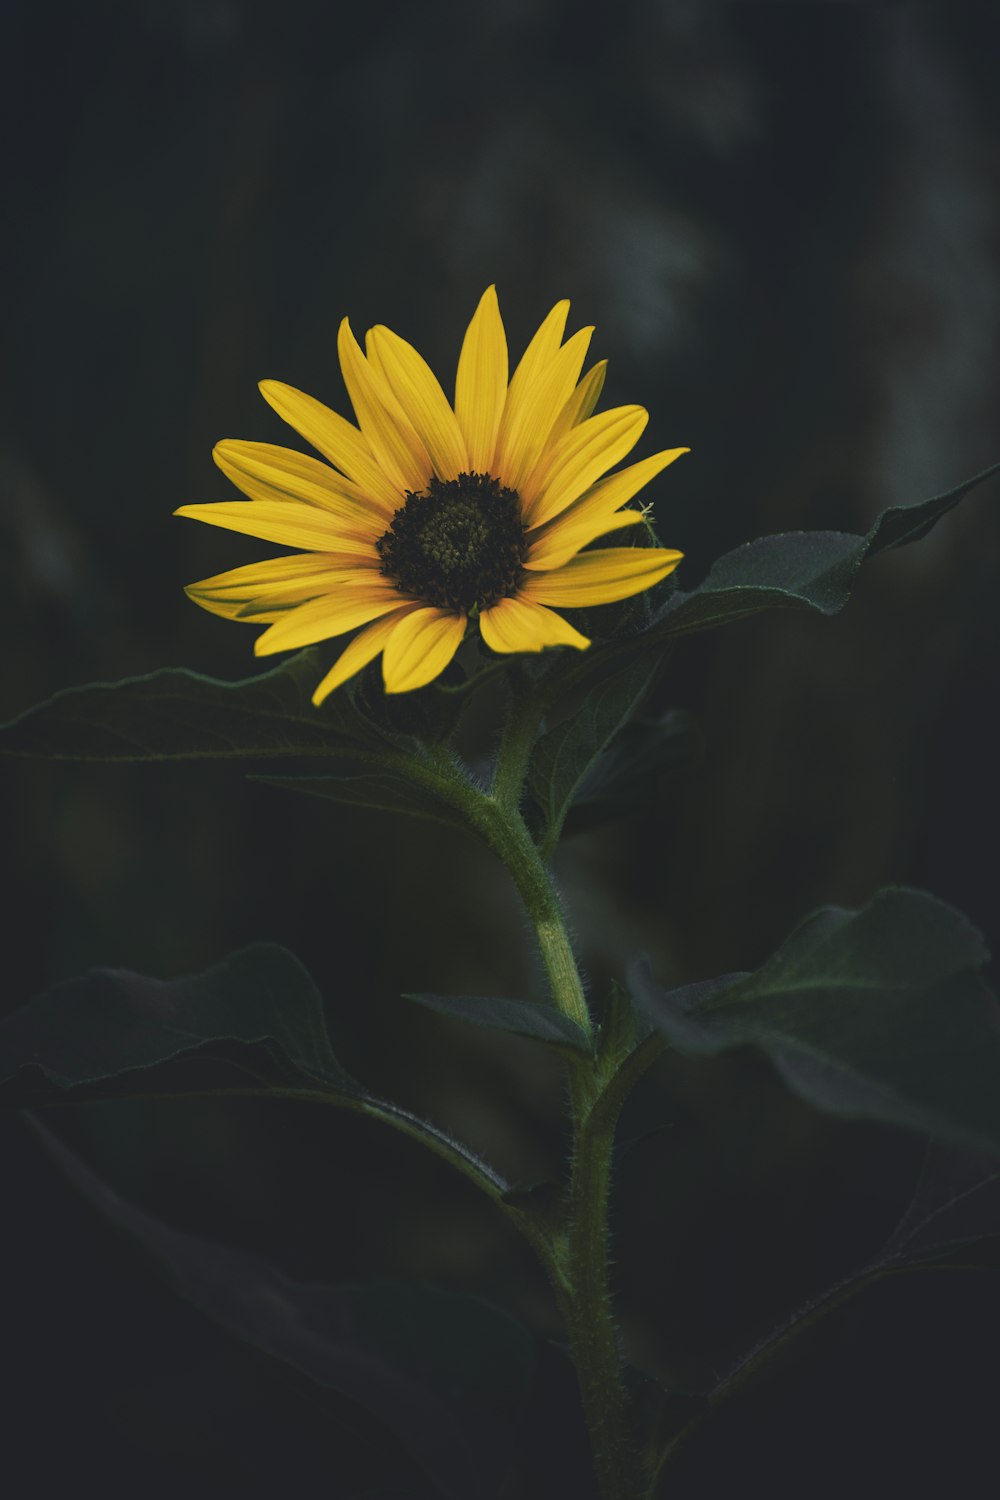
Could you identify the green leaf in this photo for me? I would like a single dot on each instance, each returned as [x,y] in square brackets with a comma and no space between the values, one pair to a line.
[563,757]
[955,1203]
[253,1024]
[623,779]
[878,1014]
[542,1023]
[811,570]
[794,570]
[448,1374]
[175,714]
[377,791]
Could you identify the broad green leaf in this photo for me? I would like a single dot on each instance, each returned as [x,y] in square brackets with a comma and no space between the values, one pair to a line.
[448,1374]
[179,715]
[377,791]
[877,1014]
[542,1023]
[253,1024]
[564,755]
[795,570]
[808,569]
[175,714]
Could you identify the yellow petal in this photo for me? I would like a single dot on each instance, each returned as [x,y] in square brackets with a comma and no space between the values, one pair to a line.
[364,648]
[481,383]
[520,625]
[613,492]
[416,388]
[420,647]
[334,437]
[390,435]
[596,514]
[582,402]
[287,522]
[230,609]
[266,472]
[553,549]
[344,608]
[540,352]
[542,348]
[601,577]
[583,455]
[276,583]
[528,420]
[228,593]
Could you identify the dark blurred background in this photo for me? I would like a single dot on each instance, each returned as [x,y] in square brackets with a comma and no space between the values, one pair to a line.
[783,219]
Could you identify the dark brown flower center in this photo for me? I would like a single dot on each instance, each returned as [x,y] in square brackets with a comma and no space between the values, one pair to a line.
[459,544]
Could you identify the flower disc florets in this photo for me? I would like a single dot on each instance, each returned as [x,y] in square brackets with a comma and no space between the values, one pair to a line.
[458,544]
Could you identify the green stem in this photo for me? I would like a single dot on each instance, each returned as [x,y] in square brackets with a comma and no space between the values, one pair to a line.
[576,1258]
[507,832]
[587,1310]
[519,734]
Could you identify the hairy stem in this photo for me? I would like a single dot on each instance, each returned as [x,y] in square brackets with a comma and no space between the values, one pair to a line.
[587,1310]
[517,740]
[577,1258]
[506,831]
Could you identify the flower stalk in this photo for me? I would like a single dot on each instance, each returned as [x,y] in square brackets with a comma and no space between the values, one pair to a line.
[587,1310]
[577,1259]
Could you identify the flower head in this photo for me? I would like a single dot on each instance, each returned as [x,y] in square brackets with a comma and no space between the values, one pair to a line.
[427,515]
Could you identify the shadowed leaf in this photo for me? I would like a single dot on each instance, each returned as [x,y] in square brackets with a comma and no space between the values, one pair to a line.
[377,791]
[252,1024]
[563,757]
[806,569]
[877,1014]
[542,1023]
[624,777]
[956,1202]
[175,714]
[447,1374]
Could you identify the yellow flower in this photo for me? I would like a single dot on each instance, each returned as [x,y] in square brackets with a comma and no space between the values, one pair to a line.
[426,515]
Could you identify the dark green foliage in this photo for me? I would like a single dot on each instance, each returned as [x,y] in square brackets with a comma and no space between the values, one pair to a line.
[564,756]
[379,791]
[804,569]
[954,1209]
[113,1033]
[447,1374]
[955,1203]
[624,776]
[878,1014]
[253,1024]
[793,570]
[542,1023]
[175,714]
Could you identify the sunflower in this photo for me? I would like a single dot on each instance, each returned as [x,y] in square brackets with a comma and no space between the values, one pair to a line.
[427,516]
